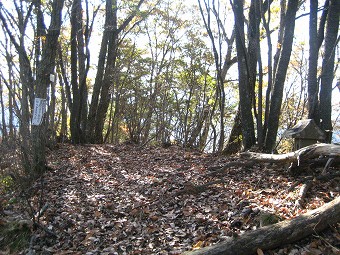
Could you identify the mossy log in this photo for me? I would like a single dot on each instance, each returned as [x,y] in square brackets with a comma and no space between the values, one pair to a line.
[272,236]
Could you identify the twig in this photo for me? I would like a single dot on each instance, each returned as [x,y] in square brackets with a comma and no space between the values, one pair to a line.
[30,249]
[328,164]
[303,192]
[48,231]
[41,212]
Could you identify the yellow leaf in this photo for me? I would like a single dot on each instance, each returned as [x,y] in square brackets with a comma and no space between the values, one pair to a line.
[198,245]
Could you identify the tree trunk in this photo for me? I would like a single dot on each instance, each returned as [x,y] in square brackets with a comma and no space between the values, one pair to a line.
[106,69]
[109,75]
[272,236]
[282,25]
[84,67]
[245,93]
[328,68]
[322,24]
[51,112]
[26,75]
[43,79]
[201,119]
[11,107]
[276,100]
[253,46]
[63,129]
[259,117]
[75,117]
[116,119]
[79,70]
[186,129]
[266,23]
[100,71]
[4,133]
[234,143]
[313,90]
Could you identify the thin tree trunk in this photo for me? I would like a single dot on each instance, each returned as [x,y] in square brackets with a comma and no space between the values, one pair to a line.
[116,119]
[4,133]
[245,93]
[11,107]
[11,96]
[106,69]
[220,93]
[63,129]
[313,90]
[259,104]
[253,47]
[276,100]
[78,75]
[322,24]
[328,68]
[283,10]
[84,67]
[52,113]
[91,125]
[270,67]
[252,58]
[26,77]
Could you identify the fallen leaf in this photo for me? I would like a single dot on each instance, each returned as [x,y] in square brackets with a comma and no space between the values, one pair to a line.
[259,251]
[197,245]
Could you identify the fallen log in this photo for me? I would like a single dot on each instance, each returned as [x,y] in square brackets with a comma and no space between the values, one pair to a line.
[272,236]
[310,152]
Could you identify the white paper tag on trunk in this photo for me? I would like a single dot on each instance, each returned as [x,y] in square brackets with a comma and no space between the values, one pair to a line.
[38,111]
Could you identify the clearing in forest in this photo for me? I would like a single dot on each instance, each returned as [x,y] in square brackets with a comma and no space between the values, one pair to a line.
[123,199]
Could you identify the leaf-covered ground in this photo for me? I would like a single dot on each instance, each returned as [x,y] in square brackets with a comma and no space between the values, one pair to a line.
[106,199]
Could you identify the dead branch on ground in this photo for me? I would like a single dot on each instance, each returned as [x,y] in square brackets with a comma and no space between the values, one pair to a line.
[272,236]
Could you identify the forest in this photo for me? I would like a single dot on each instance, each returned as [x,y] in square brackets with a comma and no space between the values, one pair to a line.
[124,124]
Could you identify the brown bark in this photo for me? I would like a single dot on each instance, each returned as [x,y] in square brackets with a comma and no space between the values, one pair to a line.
[79,70]
[272,236]
[327,75]
[253,51]
[47,67]
[234,144]
[245,90]
[266,25]
[107,43]
[313,63]
[280,75]
[104,81]
[322,24]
